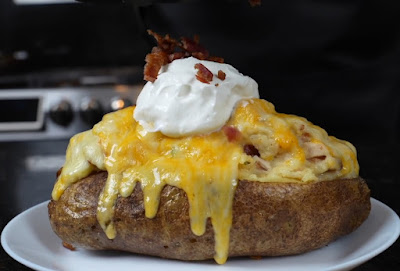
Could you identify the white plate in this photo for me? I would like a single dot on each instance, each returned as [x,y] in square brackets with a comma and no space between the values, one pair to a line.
[29,239]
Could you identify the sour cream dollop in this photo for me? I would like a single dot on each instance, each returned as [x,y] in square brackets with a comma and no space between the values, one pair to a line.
[177,104]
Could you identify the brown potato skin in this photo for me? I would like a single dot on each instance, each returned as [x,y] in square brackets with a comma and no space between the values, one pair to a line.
[269,219]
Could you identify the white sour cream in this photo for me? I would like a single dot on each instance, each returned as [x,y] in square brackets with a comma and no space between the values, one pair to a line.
[177,104]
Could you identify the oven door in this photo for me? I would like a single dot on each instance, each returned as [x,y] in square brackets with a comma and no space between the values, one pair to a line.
[27,175]
[28,172]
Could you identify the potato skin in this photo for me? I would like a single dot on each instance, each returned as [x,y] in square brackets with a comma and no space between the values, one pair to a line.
[269,219]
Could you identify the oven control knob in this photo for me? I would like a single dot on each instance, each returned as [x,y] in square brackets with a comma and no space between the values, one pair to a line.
[91,111]
[62,113]
[118,103]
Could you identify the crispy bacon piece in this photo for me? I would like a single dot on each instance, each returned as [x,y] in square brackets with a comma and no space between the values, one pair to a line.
[59,172]
[317,158]
[169,49]
[166,43]
[232,133]
[154,62]
[249,149]
[176,55]
[216,59]
[306,137]
[193,46]
[221,75]
[68,246]
[203,74]
[200,55]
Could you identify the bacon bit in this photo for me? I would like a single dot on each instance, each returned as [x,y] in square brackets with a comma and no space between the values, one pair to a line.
[154,62]
[221,75]
[200,55]
[306,137]
[204,75]
[176,55]
[249,149]
[341,164]
[193,46]
[68,246]
[59,172]
[254,3]
[166,51]
[232,133]
[216,59]
[166,43]
[317,158]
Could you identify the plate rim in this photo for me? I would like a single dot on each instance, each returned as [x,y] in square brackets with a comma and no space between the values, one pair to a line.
[342,266]
[364,258]
[10,251]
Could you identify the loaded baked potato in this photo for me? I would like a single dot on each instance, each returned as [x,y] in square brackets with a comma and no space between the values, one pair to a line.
[202,168]
[271,215]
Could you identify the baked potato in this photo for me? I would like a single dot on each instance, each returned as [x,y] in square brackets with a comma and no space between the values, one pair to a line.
[269,219]
[202,168]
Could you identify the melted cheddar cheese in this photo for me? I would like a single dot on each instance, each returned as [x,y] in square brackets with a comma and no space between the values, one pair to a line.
[207,167]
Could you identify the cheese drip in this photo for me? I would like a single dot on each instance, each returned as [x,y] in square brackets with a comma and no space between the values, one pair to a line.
[207,167]
[203,167]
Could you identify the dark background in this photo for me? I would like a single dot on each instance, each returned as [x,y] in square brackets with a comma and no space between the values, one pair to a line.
[334,62]
[337,63]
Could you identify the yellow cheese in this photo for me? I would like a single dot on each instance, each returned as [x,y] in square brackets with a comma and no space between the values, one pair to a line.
[207,167]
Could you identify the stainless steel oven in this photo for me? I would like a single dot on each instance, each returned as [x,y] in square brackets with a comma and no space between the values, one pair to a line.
[35,127]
